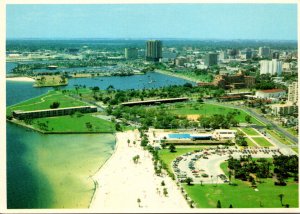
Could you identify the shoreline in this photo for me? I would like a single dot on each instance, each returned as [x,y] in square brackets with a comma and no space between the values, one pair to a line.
[20,79]
[176,75]
[119,176]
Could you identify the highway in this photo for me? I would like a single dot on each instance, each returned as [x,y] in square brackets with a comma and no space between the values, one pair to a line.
[262,119]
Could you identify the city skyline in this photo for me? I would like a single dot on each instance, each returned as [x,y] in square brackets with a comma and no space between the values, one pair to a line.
[157,21]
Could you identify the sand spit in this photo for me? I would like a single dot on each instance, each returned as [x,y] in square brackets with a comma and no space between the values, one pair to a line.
[20,79]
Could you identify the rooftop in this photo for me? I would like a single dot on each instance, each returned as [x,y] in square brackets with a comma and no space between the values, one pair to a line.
[272,90]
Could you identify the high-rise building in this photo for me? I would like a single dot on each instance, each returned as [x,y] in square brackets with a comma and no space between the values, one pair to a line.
[153,50]
[275,55]
[246,53]
[271,67]
[223,55]
[293,92]
[211,59]
[264,51]
[131,53]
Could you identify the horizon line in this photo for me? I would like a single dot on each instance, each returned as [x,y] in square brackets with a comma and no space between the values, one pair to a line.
[147,38]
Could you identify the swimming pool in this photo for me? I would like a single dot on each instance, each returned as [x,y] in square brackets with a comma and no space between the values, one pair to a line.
[179,136]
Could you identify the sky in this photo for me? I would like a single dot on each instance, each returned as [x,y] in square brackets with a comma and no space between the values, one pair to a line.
[146,21]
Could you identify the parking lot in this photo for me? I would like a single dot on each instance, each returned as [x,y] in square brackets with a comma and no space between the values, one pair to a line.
[203,166]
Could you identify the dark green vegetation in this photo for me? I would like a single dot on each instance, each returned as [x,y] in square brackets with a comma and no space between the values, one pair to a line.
[112,97]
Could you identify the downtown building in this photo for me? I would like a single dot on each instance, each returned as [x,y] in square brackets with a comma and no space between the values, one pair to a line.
[273,67]
[264,52]
[293,93]
[211,59]
[131,53]
[153,50]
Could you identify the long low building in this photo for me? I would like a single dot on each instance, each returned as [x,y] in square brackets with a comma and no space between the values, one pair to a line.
[148,102]
[21,115]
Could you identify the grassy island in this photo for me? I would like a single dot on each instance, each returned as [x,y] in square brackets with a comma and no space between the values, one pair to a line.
[50,81]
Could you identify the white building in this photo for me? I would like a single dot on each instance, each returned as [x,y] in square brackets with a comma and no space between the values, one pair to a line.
[271,67]
[223,134]
[283,109]
[271,93]
[293,92]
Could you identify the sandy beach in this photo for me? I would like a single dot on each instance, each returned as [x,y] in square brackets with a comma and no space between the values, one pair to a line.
[121,182]
[20,79]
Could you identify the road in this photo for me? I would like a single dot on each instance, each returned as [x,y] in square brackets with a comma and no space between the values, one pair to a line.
[262,119]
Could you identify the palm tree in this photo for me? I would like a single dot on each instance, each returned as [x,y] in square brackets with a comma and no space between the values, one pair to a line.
[128,142]
[281,198]
[139,202]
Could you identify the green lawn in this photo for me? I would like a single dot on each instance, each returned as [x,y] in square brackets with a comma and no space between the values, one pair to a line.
[250,131]
[279,137]
[242,195]
[250,143]
[208,110]
[262,141]
[75,123]
[44,101]
[296,150]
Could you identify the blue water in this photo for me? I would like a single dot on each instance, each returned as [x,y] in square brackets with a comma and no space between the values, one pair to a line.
[10,66]
[179,136]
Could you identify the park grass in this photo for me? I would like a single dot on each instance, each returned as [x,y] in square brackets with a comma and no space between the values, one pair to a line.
[44,101]
[279,137]
[74,123]
[262,141]
[250,131]
[296,150]
[208,109]
[242,195]
[250,143]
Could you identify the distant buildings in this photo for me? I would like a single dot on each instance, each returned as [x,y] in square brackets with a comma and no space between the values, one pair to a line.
[271,93]
[180,61]
[264,52]
[246,54]
[211,59]
[293,92]
[153,50]
[232,53]
[273,67]
[131,53]
[231,81]
[275,55]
